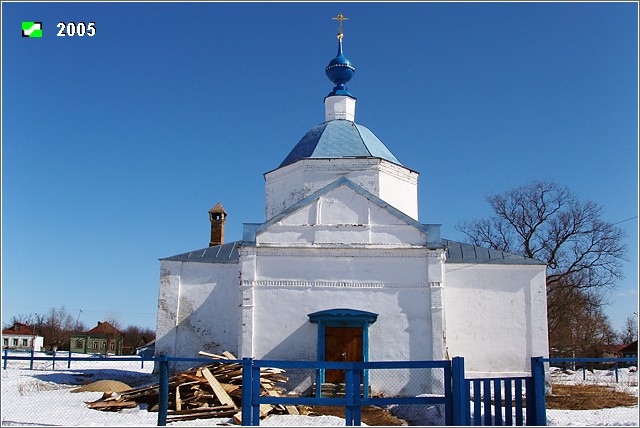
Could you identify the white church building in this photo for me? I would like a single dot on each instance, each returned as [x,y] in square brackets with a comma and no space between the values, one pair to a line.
[341,270]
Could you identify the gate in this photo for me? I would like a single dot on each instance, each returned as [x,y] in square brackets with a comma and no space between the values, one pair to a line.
[500,401]
[497,401]
[354,396]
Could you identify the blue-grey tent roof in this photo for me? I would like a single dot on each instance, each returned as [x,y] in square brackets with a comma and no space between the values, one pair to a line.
[339,139]
[458,252]
[225,253]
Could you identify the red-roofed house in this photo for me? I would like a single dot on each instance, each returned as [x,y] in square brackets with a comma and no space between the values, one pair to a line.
[610,351]
[103,338]
[22,337]
[630,350]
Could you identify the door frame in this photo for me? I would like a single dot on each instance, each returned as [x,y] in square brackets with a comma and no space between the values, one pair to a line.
[342,317]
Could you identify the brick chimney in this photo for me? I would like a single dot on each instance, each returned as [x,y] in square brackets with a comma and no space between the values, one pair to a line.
[217,216]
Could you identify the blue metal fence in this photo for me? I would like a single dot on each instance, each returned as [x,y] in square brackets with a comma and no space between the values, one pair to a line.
[513,401]
[453,397]
[585,363]
[484,407]
[538,371]
[355,397]
[61,358]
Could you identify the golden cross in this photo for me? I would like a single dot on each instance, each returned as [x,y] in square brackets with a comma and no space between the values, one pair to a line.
[340,18]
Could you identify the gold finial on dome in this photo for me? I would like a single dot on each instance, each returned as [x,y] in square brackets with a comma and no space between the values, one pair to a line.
[340,18]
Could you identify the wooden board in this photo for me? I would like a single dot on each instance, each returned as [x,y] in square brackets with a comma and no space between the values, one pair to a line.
[218,389]
[292,410]
[101,405]
[178,400]
[216,356]
[229,355]
[265,409]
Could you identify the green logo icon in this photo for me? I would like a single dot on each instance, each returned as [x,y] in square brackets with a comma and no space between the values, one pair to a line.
[32,29]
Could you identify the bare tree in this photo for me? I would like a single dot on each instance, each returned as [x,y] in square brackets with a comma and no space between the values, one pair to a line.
[29,319]
[583,253]
[135,336]
[629,332]
[55,326]
[113,319]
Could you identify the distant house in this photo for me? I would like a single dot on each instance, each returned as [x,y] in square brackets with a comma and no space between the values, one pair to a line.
[615,351]
[146,350]
[611,351]
[22,337]
[630,350]
[102,339]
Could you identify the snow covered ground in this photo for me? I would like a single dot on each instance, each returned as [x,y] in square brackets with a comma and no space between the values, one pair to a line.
[619,416]
[42,397]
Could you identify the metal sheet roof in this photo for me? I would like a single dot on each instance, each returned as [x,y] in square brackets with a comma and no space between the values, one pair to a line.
[458,252]
[225,253]
[337,139]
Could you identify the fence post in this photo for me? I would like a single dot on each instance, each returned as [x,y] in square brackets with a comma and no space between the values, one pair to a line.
[6,351]
[69,363]
[163,391]
[357,407]
[538,400]
[458,402]
[247,384]
[616,367]
[255,395]
[348,411]
[53,360]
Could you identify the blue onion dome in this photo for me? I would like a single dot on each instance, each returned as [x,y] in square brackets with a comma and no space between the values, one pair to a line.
[340,71]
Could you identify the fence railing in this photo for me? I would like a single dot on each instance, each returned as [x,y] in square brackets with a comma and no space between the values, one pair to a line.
[61,358]
[434,383]
[356,387]
[486,401]
[591,363]
[537,366]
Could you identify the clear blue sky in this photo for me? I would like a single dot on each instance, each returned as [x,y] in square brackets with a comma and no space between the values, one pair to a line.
[114,147]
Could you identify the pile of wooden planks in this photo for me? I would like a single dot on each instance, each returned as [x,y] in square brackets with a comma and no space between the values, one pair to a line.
[209,391]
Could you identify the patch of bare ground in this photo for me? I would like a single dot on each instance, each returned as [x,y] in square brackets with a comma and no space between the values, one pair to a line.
[588,397]
[370,415]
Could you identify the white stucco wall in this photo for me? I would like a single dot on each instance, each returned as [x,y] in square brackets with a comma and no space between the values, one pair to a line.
[496,316]
[290,284]
[198,308]
[390,182]
[37,342]
[399,187]
[339,107]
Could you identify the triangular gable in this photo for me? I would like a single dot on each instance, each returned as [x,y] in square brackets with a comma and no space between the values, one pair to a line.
[341,206]
[342,213]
